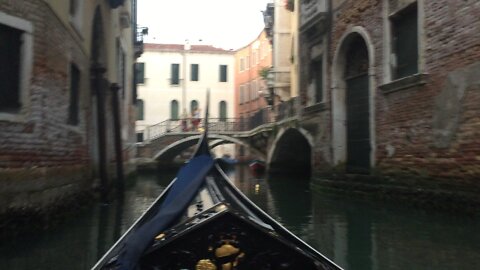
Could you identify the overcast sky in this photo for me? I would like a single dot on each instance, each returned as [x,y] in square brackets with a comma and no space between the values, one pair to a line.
[229,24]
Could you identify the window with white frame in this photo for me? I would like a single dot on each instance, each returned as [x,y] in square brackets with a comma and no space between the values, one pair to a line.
[15,64]
[404,34]
[76,14]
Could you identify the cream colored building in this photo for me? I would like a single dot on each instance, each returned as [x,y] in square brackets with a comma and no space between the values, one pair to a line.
[281,24]
[175,81]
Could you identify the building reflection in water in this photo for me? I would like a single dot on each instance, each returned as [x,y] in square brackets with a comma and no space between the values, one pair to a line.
[355,233]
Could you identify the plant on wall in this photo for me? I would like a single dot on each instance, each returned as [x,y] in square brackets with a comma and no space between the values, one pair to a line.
[263,72]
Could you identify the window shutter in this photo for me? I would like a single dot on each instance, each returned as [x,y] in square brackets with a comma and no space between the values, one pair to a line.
[223,73]
[175,74]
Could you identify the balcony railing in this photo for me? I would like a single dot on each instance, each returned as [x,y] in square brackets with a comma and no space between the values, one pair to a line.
[287,109]
[138,44]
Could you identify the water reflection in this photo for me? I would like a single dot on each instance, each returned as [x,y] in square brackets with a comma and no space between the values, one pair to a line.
[82,240]
[355,233]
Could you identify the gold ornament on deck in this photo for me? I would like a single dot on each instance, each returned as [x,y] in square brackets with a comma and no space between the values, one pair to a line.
[227,250]
[205,265]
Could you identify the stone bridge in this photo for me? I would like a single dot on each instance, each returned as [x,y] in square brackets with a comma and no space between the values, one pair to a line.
[284,142]
[168,139]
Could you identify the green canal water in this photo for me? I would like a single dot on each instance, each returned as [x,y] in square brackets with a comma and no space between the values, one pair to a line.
[355,233]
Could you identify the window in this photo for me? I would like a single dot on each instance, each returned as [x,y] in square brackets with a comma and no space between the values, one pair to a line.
[223,73]
[174,110]
[194,72]
[139,136]
[174,74]
[140,73]
[140,109]
[121,68]
[134,84]
[16,48]
[405,42]
[242,64]
[253,95]
[247,62]
[242,94]
[254,60]
[10,68]
[223,110]
[74,97]
[317,73]
[193,106]
[76,14]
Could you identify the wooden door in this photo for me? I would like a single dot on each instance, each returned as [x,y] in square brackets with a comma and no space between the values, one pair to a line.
[358,111]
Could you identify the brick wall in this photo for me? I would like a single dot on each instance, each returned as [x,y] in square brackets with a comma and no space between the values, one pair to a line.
[430,129]
[43,159]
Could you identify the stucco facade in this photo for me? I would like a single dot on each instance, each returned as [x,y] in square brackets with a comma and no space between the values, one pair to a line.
[158,91]
[175,80]
[250,86]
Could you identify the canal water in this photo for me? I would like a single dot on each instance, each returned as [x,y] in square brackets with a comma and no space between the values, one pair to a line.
[355,233]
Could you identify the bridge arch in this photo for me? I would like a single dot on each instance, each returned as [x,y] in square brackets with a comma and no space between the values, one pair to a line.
[171,151]
[291,152]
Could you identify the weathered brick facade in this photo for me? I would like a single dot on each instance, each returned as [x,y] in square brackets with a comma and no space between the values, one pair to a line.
[426,125]
[44,161]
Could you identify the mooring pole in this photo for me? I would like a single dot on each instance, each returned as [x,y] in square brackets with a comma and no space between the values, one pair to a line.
[117,136]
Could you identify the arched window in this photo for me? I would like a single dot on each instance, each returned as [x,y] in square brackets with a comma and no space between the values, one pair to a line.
[174,110]
[193,106]
[223,111]
[140,109]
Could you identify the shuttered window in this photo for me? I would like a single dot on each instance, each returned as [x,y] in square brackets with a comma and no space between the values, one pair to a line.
[223,111]
[140,73]
[223,73]
[140,109]
[194,72]
[174,110]
[405,42]
[174,78]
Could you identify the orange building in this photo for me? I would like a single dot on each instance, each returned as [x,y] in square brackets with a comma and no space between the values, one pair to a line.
[250,87]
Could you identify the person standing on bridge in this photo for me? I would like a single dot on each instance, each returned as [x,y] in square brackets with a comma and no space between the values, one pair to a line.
[184,121]
[195,119]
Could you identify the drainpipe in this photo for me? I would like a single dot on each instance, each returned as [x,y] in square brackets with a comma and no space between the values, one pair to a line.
[117,136]
[98,84]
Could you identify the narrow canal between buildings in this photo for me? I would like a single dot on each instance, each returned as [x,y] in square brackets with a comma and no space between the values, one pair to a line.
[355,233]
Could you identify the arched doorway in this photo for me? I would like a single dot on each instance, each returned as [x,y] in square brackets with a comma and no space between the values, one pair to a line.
[357,101]
[174,110]
[222,110]
[193,106]
[353,106]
